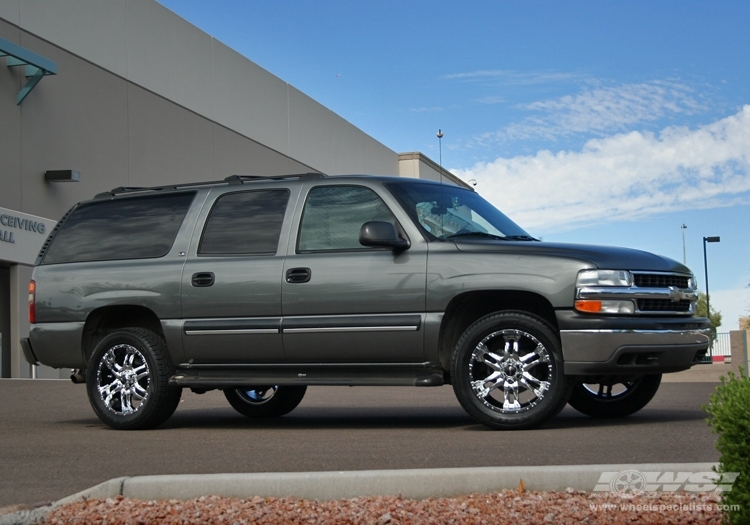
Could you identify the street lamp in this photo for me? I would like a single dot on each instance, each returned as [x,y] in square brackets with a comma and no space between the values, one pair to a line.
[705,267]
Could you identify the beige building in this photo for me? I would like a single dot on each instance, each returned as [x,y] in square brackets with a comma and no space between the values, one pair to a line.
[99,94]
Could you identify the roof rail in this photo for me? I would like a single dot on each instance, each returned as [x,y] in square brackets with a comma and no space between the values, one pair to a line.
[120,190]
[239,179]
[233,179]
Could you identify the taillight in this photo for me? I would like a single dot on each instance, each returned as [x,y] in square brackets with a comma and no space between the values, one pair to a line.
[32,302]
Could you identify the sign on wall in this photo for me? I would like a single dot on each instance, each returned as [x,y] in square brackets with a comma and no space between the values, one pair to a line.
[22,236]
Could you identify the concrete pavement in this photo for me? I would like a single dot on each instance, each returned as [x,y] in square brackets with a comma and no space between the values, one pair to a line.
[676,412]
[707,373]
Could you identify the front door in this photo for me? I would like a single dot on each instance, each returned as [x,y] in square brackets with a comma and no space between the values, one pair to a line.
[346,303]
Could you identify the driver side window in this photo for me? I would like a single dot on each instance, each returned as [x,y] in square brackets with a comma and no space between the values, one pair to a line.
[333,216]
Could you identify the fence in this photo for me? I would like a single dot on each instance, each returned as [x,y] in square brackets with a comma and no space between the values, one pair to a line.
[720,348]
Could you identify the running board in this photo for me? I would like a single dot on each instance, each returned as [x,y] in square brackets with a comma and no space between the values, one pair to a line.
[228,376]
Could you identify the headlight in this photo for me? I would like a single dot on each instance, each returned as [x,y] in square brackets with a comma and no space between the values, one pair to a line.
[587,278]
[692,283]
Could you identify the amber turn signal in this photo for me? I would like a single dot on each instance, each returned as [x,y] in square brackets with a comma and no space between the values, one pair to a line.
[589,306]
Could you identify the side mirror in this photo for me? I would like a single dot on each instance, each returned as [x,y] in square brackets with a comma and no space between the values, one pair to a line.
[383,234]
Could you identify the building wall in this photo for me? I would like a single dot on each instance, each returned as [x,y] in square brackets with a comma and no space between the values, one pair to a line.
[143,98]
[419,166]
[20,275]
[114,132]
[149,46]
[739,344]
[5,321]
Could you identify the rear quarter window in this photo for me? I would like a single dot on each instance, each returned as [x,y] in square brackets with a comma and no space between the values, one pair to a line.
[125,228]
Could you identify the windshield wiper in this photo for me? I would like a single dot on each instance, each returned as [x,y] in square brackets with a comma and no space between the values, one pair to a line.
[521,238]
[491,236]
[476,234]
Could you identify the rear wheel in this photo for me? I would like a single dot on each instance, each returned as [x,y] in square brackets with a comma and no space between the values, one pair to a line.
[507,371]
[265,401]
[615,398]
[127,380]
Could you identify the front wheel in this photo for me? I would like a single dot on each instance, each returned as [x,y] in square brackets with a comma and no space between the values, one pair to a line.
[127,380]
[507,371]
[616,397]
[265,401]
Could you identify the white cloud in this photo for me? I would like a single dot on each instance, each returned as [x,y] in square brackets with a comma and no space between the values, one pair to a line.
[625,176]
[491,100]
[513,77]
[432,109]
[597,111]
[733,304]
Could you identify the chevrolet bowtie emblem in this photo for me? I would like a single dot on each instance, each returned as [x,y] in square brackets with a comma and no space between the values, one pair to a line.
[676,295]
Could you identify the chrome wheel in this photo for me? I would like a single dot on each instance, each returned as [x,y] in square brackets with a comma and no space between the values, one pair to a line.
[614,396]
[265,401]
[123,378]
[609,391]
[257,395]
[510,371]
[127,380]
[507,371]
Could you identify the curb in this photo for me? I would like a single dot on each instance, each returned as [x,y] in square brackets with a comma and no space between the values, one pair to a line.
[415,483]
[408,483]
[412,483]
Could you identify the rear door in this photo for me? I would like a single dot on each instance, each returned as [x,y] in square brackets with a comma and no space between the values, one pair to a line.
[231,284]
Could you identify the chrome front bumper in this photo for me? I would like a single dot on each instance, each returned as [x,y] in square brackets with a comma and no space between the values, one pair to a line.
[632,351]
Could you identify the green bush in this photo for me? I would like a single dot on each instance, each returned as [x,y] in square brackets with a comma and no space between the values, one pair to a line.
[730,408]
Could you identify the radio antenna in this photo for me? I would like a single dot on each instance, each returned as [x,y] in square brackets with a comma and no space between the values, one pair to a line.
[440,164]
[440,149]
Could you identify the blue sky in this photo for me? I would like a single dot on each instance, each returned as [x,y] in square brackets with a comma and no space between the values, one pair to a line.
[585,121]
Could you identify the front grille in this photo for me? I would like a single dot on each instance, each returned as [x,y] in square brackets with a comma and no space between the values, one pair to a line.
[663,305]
[653,280]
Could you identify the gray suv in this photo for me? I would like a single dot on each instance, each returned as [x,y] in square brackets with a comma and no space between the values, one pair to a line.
[260,286]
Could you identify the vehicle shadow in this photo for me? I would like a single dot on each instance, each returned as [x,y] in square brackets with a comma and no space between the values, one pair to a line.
[395,418]
[569,418]
[325,418]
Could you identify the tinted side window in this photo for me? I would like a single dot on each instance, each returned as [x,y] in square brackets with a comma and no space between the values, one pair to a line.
[125,228]
[245,223]
[333,216]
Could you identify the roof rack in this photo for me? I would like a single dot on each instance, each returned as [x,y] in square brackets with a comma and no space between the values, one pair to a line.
[120,190]
[233,179]
[239,179]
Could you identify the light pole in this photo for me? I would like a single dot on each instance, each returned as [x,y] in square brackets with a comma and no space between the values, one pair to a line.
[705,268]
[683,228]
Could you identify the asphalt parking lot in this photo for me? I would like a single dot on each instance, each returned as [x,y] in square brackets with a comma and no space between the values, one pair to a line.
[52,445]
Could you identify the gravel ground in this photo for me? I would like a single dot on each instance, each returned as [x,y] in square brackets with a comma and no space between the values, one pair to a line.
[507,507]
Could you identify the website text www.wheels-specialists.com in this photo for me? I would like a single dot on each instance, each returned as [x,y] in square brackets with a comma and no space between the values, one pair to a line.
[662,508]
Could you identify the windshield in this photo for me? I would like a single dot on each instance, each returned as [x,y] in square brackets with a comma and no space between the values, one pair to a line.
[451,212]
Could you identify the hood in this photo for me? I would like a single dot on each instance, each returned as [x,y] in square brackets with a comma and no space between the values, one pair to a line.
[605,257]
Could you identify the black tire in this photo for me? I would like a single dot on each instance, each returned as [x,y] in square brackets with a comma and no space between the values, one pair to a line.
[507,371]
[629,396]
[265,401]
[127,380]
